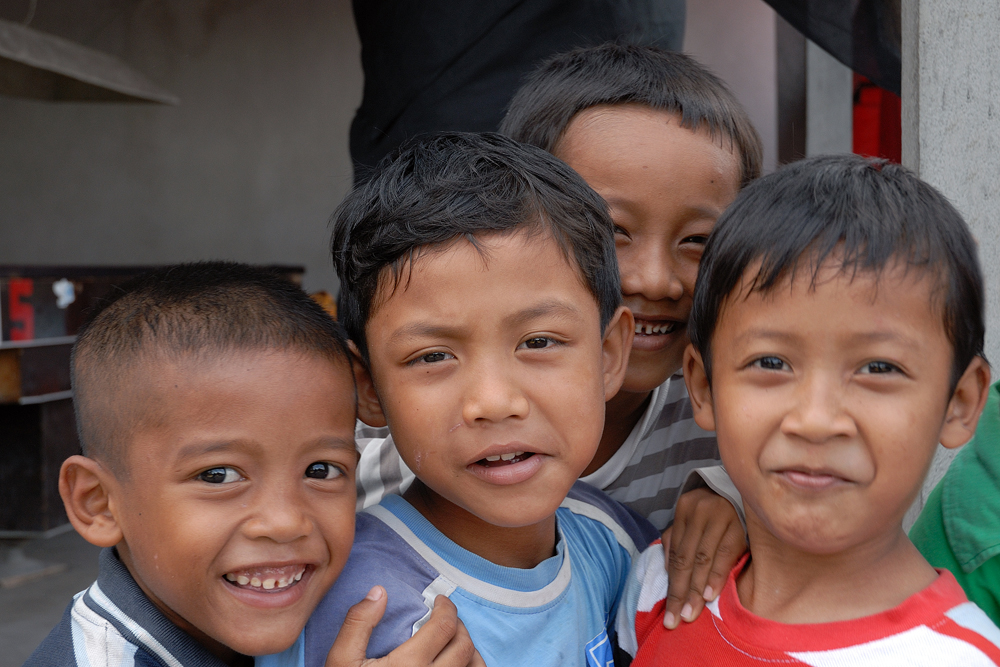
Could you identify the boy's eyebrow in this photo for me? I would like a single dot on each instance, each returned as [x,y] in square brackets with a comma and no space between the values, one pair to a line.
[625,204]
[863,336]
[210,447]
[552,307]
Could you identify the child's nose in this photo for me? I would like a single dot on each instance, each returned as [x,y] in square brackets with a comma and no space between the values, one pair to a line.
[818,413]
[493,394]
[279,516]
[650,271]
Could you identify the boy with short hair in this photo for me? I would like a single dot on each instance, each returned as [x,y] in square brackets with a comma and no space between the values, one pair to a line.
[668,146]
[837,336]
[481,290]
[215,405]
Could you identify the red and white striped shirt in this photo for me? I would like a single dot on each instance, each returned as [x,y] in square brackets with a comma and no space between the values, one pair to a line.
[937,626]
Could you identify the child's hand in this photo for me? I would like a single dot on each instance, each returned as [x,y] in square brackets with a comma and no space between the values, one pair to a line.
[703,545]
[443,640]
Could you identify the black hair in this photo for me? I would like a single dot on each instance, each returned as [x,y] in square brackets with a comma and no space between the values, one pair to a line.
[463,185]
[867,213]
[187,309]
[570,82]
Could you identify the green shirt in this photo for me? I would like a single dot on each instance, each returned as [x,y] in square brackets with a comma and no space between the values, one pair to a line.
[959,528]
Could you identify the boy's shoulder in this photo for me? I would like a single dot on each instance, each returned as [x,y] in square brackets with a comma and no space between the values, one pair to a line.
[113,624]
[397,548]
[936,626]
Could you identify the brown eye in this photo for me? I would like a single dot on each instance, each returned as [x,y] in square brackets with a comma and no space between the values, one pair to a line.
[220,475]
[537,343]
[322,470]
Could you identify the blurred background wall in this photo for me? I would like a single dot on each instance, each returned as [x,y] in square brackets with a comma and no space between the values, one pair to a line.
[252,162]
[249,166]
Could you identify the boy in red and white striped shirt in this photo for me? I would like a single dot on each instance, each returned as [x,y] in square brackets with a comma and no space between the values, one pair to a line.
[837,335]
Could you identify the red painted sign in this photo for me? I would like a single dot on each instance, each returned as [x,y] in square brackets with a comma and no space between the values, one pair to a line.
[21,310]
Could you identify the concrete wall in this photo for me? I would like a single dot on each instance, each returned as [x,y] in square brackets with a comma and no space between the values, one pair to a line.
[951,137]
[736,39]
[248,167]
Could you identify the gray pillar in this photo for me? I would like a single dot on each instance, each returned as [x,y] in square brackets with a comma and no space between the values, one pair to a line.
[829,103]
[951,132]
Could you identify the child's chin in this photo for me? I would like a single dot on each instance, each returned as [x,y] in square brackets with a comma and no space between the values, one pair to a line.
[645,375]
[266,642]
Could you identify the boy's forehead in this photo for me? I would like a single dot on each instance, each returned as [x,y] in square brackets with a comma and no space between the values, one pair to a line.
[888,282]
[209,372]
[410,268]
[508,279]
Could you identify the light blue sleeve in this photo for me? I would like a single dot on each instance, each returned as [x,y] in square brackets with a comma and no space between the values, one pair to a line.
[294,656]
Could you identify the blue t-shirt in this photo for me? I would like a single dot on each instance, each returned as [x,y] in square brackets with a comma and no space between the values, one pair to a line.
[557,613]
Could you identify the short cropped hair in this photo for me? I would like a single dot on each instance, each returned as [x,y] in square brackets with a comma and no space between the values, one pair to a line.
[866,213]
[571,82]
[461,186]
[197,309]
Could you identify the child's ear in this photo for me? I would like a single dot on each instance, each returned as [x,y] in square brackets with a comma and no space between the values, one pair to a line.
[966,404]
[617,346]
[369,407]
[87,488]
[698,388]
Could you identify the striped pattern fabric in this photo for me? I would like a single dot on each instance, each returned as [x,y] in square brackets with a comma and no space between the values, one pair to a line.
[937,627]
[647,473]
[114,624]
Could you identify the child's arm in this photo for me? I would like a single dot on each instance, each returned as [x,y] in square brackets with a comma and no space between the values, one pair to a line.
[704,543]
[442,641]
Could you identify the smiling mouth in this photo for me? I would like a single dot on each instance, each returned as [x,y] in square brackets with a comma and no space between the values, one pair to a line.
[266,579]
[655,328]
[504,459]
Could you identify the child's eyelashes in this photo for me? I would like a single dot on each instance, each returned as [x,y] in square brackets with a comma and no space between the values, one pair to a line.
[538,343]
[323,470]
[220,475]
[879,367]
[770,363]
[431,358]
[698,239]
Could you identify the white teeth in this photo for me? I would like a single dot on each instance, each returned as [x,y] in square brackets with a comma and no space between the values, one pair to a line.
[267,584]
[493,458]
[507,457]
[649,329]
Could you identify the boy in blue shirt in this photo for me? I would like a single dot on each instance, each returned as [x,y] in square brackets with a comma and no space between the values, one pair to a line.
[480,288]
[668,146]
[216,406]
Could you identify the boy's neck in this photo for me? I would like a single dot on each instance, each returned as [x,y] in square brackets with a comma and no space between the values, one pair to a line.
[522,547]
[786,585]
[621,414]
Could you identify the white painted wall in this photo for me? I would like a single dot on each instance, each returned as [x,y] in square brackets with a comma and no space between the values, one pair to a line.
[736,40]
[248,167]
